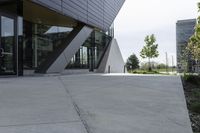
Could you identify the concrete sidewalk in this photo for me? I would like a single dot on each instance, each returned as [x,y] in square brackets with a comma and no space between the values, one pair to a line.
[93,104]
[37,105]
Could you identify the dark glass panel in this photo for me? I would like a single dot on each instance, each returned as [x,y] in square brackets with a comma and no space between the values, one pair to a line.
[40,41]
[7,45]
[91,52]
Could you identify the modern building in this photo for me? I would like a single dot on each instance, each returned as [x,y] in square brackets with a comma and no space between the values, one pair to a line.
[184,30]
[50,36]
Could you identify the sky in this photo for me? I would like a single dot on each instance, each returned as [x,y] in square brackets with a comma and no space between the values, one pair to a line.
[139,18]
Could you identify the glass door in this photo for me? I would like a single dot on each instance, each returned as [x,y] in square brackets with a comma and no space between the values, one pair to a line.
[7,45]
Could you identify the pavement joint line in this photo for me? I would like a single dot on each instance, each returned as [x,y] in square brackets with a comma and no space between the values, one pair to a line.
[35,124]
[76,108]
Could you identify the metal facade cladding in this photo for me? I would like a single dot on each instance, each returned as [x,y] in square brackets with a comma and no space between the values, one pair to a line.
[97,13]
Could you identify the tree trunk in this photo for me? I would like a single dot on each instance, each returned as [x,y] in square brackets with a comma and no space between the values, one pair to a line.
[197,67]
[149,65]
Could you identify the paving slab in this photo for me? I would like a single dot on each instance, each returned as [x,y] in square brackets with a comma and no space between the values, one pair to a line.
[130,104]
[68,127]
[36,105]
[93,103]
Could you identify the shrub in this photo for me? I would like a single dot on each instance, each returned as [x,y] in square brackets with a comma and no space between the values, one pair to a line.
[195,107]
[196,93]
[193,79]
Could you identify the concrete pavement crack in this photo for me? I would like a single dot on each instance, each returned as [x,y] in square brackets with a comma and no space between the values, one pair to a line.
[42,123]
[76,107]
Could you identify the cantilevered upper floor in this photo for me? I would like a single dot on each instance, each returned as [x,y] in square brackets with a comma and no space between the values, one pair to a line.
[97,13]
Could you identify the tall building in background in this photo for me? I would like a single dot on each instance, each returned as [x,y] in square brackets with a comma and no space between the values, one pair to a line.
[50,36]
[184,30]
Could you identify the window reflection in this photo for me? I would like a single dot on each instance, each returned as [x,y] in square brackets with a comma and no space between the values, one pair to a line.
[40,41]
[7,26]
[90,54]
[7,45]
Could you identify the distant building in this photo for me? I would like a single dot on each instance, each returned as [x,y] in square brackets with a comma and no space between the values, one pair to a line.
[184,30]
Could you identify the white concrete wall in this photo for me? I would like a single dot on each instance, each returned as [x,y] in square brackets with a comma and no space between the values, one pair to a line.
[112,58]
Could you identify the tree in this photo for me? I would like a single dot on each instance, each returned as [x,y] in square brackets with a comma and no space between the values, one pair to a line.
[132,62]
[145,65]
[161,66]
[193,46]
[150,49]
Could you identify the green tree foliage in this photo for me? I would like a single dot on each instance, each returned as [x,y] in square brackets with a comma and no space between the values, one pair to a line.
[132,62]
[193,47]
[161,66]
[150,49]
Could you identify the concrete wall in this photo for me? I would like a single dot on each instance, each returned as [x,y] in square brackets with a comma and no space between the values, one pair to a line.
[98,13]
[112,60]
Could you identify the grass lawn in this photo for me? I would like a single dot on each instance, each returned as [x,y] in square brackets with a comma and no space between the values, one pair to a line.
[144,72]
[154,71]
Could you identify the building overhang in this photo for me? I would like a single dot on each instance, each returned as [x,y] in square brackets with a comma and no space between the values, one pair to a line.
[39,14]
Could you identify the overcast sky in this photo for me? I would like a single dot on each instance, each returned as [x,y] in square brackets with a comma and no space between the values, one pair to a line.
[139,18]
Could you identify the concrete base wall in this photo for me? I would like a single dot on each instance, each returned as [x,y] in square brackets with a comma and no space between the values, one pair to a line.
[112,61]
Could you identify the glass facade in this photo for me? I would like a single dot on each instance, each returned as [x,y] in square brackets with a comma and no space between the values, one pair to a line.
[91,52]
[26,42]
[7,45]
[40,41]
[8,37]
[111,31]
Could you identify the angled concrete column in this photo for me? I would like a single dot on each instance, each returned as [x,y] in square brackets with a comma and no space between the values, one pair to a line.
[112,61]
[64,58]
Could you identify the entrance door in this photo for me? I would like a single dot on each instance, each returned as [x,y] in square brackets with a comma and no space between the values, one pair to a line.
[7,45]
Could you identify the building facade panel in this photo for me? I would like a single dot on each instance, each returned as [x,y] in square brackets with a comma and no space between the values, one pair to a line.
[102,11]
[51,4]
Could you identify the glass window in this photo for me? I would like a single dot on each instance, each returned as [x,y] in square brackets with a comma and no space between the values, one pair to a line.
[40,41]
[7,45]
[91,52]
[7,26]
